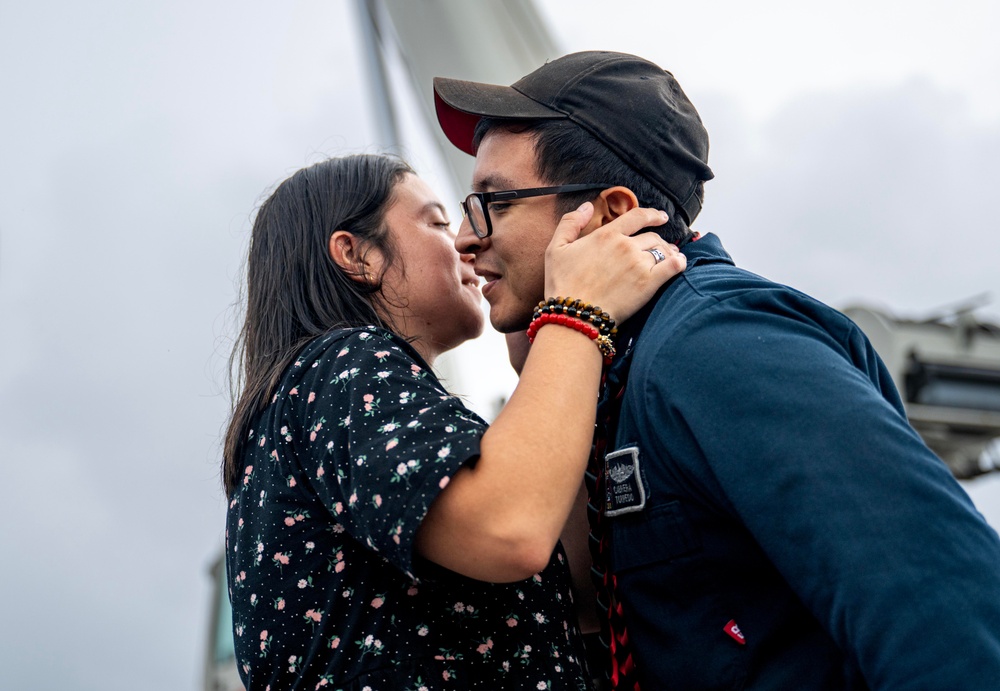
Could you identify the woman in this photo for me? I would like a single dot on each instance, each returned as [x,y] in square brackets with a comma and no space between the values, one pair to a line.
[369,509]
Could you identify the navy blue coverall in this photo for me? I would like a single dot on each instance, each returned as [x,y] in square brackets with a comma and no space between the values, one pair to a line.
[790,530]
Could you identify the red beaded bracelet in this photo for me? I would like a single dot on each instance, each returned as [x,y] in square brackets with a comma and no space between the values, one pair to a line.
[603,342]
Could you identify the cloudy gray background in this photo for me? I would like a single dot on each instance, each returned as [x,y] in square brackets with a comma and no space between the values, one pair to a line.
[857,154]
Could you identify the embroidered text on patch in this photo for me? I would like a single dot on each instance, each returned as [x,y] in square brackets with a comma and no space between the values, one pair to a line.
[624,489]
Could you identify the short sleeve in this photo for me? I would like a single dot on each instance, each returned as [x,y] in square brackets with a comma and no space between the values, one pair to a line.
[378,437]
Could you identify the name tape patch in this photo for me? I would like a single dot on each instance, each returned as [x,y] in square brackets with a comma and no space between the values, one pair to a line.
[625,491]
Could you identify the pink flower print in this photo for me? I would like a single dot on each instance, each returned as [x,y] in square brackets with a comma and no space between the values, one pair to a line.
[444,451]
[300,517]
[423,631]
[338,508]
[313,615]
[240,524]
[302,583]
[253,599]
[412,590]
[284,430]
[382,354]
[289,521]
[291,481]
[310,546]
[263,440]
[485,647]
[342,353]
[401,469]
[274,454]
[392,444]
[263,635]
[444,482]
[511,622]
[279,604]
[294,391]
[312,436]
[298,363]
[281,557]
[319,471]
[340,566]
[382,375]
[446,675]
[415,368]
[312,397]
[335,642]
[377,499]
[377,602]
[540,618]
[537,578]
[353,499]
[459,607]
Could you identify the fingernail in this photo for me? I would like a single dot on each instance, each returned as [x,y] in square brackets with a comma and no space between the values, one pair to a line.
[584,206]
[664,215]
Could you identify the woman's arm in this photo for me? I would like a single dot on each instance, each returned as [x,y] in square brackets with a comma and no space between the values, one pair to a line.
[499,519]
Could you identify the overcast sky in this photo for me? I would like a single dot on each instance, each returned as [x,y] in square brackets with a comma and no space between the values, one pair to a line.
[856,152]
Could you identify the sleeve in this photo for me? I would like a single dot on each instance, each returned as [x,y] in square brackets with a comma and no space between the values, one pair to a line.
[379,438]
[862,520]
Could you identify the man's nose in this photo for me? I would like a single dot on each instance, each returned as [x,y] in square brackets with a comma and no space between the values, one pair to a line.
[467,242]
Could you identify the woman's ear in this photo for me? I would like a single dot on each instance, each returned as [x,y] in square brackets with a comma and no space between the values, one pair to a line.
[350,254]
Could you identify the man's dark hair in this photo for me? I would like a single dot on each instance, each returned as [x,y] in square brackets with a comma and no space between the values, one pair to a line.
[566,153]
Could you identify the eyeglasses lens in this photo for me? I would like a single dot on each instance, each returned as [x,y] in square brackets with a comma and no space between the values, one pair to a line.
[477,216]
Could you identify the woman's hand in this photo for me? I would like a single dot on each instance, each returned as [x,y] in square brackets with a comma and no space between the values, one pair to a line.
[610,267]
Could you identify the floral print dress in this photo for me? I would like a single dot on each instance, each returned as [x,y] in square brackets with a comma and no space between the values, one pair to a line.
[326,589]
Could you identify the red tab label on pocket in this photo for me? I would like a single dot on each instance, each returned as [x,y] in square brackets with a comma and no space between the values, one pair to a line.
[734,632]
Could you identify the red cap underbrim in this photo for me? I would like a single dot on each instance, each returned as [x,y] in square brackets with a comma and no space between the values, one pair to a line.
[460,105]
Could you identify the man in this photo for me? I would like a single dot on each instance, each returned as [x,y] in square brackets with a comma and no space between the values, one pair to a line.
[768,519]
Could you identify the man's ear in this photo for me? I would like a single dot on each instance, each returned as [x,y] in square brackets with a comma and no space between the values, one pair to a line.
[351,254]
[609,205]
[618,200]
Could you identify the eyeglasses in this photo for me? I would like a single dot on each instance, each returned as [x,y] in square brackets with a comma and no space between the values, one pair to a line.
[476,205]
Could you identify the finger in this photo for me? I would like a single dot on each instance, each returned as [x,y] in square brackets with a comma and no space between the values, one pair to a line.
[634,220]
[672,263]
[571,224]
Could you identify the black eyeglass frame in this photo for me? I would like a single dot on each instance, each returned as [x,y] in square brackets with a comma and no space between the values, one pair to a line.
[486,198]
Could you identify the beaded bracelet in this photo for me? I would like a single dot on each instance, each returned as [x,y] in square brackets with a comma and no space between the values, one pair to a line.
[577,308]
[604,343]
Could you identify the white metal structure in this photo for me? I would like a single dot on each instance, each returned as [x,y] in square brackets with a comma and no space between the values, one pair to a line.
[947,370]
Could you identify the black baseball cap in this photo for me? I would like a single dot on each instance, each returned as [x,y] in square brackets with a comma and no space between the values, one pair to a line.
[631,105]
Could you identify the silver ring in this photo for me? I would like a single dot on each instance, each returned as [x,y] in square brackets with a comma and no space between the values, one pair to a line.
[658,256]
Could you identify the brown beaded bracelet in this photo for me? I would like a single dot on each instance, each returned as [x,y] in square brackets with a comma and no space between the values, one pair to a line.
[581,310]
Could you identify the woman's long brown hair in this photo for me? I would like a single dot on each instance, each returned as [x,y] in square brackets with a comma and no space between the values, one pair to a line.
[294,290]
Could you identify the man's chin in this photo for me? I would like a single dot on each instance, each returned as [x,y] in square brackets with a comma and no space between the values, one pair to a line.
[506,324]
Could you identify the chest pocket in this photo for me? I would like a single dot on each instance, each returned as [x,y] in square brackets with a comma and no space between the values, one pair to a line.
[658,534]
